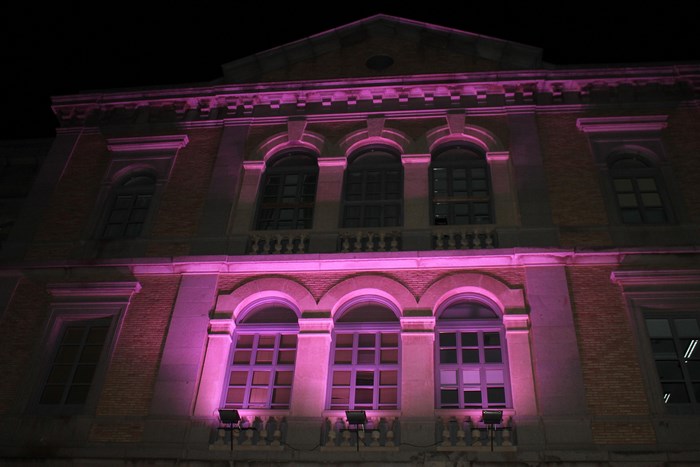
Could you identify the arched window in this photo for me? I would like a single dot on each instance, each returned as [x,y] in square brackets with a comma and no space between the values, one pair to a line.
[461,187]
[130,203]
[373,190]
[471,361]
[286,200]
[262,358]
[365,358]
[639,191]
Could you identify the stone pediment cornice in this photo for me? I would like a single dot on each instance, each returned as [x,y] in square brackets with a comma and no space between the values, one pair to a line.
[488,91]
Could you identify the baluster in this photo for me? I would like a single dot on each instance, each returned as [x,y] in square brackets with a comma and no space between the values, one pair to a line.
[489,240]
[461,433]
[370,241]
[358,241]
[382,244]
[390,434]
[262,433]
[220,437]
[302,243]
[444,432]
[395,241]
[266,244]
[346,243]
[236,434]
[476,436]
[438,240]
[463,240]
[506,433]
[477,240]
[290,244]
[361,438]
[254,245]
[346,438]
[278,245]
[451,241]
[375,438]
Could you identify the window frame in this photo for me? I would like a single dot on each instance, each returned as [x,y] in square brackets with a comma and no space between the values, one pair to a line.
[122,190]
[357,166]
[277,168]
[479,326]
[450,200]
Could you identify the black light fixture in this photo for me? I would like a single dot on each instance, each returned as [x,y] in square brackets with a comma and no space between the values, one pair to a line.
[359,419]
[491,418]
[229,416]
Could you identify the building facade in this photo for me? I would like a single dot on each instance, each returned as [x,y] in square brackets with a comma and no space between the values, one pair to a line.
[389,220]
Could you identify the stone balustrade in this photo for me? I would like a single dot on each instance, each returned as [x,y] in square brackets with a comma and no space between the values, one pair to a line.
[466,238]
[259,432]
[359,241]
[278,243]
[465,434]
[379,433]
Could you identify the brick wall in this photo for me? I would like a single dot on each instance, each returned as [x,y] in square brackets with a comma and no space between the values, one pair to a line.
[128,386]
[181,205]
[21,328]
[682,148]
[73,201]
[609,359]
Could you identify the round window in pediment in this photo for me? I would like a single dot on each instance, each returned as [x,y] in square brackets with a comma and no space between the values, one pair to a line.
[379,62]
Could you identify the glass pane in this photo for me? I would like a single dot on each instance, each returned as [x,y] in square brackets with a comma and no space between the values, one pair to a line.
[448,340]
[60,374]
[77,394]
[669,370]
[83,374]
[366,340]
[363,396]
[658,328]
[264,356]
[675,393]
[496,395]
[631,216]
[390,356]
[258,397]
[449,356]
[267,342]
[388,397]
[365,356]
[340,396]
[472,397]
[623,185]
[663,348]
[280,396]
[470,356]
[241,356]
[390,340]
[470,339]
[651,199]
[646,184]
[97,335]
[261,378]
[51,395]
[343,356]
[234,396]
[492,339]
[448,377]
[686,327]
[238,378]
[693,367]
[494,377]
[471,377]
[341,378]
[73,335]
[67,354]
[244,341]
[388,378]
[448,396]
[492,355]
[286,356]
[91,354]
[364,378]
[627,200]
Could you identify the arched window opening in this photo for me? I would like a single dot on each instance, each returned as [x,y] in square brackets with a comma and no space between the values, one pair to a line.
[365,359]
[461,186]
[471,360]
[262,358]
[639,190]
[288,193]
[130,204]
[373,191]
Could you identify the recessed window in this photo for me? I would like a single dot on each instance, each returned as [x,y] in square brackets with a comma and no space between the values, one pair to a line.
[131,201]
[674,346]
[379,62]
[638,189]
[472,370]
[373,190]
[287,196]
[461,187]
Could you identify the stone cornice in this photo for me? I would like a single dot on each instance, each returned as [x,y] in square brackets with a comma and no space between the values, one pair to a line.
[498,90]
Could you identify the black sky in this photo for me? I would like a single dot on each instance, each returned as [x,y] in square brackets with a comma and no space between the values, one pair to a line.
[80,46]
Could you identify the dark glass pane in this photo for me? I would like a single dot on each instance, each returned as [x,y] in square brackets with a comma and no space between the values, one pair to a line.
[669,370]
[241,356]
[675,393]
[245,341]
[388,378]
[492,355]
[364,378]
[363,396]
[366,340]
[448,339]
[340,397]
[663,348]
[52,394]
[280,396]
[492,339]
[77,394]
[288,341]
[496,395]
[693,367]
[60,374]
[472,397]
[448,396]
[67,354]
[450,356]
[470,356]
[631,216]
[73,335]
[264,357]
[387,397]
[234,396]
[238,378]
[286,357]
[365,356]
[91,354]
[389,356]
[470,339]
[97,334]
[343,340]
[343,356]
[390,340]
[83,374]
[341,378]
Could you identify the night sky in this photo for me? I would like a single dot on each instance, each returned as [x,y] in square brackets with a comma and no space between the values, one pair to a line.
[107,45]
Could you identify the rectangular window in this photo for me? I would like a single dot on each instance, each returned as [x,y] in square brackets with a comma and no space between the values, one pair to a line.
[674,346]
[75,362]
[365,371]
[260,375]
[471,369]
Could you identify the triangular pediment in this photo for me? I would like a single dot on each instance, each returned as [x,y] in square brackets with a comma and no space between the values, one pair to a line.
[382,45]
